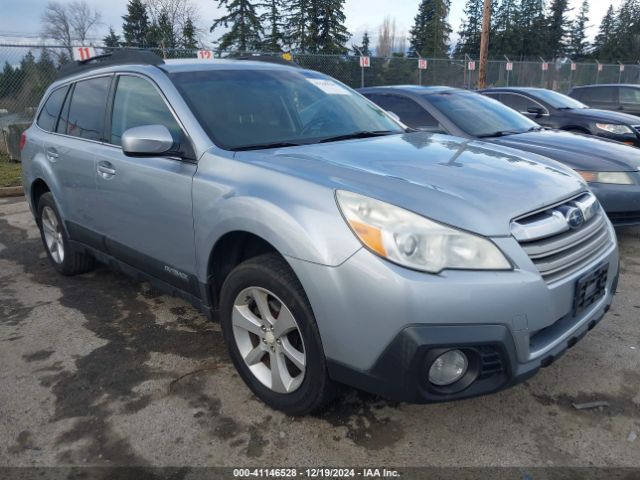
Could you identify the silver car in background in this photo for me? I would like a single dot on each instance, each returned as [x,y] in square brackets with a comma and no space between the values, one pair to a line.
[333,244]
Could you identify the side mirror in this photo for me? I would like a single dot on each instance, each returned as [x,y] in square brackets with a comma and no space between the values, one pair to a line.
[537,111]
[147,141]
[394,116]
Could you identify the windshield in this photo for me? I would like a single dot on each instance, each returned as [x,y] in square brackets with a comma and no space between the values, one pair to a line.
[557,100]
[480,116]
[246,109]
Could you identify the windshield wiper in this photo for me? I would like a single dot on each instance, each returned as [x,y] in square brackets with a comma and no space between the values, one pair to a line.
[362,134]
[502,133]
[262,146]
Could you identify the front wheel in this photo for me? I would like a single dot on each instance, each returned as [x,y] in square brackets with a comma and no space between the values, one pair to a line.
[272,336]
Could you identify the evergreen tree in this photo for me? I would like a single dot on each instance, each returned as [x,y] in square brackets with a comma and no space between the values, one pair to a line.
[429,35]
[558,29]
[331,34]
[272,18]
[505,40]
[532,29]
[604,45]
[246,30]
[626,38]
[578,45]
[111,40]
[364,47]
[298,23]
[366,51]
[471,29]
[136,24]
[189,40]
[161,34]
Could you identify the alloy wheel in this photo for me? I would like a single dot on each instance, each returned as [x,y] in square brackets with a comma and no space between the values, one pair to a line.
[269,339]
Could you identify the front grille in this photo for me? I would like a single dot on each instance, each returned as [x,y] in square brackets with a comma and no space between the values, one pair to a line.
[555,248]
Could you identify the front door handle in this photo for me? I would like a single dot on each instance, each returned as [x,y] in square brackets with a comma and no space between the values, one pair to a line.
[106,170]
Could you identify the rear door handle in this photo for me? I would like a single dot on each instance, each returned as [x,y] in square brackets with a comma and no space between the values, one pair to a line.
[52,154]
[106,170]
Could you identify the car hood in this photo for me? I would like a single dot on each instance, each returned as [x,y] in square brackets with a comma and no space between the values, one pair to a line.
[469,184]
[604,115]
[580,152]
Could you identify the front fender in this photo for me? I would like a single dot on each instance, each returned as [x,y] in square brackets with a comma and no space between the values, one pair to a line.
[301,219]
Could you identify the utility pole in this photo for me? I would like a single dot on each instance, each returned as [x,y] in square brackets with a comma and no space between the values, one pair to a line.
[484,44]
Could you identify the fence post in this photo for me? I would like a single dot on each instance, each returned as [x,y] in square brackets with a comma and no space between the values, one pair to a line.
[508,71]
[620,72]
[597,72]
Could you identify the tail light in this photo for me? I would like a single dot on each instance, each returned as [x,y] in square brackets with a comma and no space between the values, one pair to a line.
[23,140]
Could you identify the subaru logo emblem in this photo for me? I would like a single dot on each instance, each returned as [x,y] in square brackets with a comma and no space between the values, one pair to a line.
[575,217]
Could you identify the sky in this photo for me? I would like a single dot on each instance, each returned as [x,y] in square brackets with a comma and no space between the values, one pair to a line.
[21,18]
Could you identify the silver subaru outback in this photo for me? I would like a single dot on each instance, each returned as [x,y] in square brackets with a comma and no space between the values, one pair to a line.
[334,245]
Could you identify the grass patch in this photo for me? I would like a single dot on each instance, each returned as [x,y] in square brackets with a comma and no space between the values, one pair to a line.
[10,172]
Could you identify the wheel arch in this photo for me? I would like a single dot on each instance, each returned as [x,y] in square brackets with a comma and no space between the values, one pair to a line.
[231,249]
[38,188]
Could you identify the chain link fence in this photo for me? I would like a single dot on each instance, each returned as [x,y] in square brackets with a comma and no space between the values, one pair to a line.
[27,71]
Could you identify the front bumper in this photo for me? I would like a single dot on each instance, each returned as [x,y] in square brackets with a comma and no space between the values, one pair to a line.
[379,321]
[620,202]
[401,371]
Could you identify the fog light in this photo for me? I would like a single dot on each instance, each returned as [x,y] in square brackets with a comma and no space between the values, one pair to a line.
[448,368]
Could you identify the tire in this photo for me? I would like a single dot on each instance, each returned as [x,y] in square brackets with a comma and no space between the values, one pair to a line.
[64,258]
[269,278]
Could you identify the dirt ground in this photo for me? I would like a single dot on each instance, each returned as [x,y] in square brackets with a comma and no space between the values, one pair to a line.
[102,370]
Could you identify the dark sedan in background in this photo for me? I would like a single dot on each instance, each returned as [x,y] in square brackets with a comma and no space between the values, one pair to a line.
[616,97]
[555,110]
[611,168]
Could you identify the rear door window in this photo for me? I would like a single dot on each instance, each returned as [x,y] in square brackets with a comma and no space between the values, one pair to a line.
[85,116]
[599,95]
[138,103]
[49,114]
[630,95]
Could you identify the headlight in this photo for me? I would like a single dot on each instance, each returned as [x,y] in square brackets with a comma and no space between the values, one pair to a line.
[613,128]
[416,242]
[619,178]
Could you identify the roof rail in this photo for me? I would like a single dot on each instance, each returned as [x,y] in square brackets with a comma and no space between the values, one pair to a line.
[116,57]
[259,57]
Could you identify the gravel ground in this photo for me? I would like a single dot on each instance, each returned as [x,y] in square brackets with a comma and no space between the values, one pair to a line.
[102,370]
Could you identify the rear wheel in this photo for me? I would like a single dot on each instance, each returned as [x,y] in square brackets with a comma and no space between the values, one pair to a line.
[62,256]
[272,336]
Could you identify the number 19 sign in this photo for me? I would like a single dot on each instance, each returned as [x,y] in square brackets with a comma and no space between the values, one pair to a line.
[422,63]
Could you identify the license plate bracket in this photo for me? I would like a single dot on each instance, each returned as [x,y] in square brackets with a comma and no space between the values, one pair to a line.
[590,288]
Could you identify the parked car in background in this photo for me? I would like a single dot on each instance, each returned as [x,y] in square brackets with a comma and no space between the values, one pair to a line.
[616,97]
[612,169]
[555,110]
[332,244]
